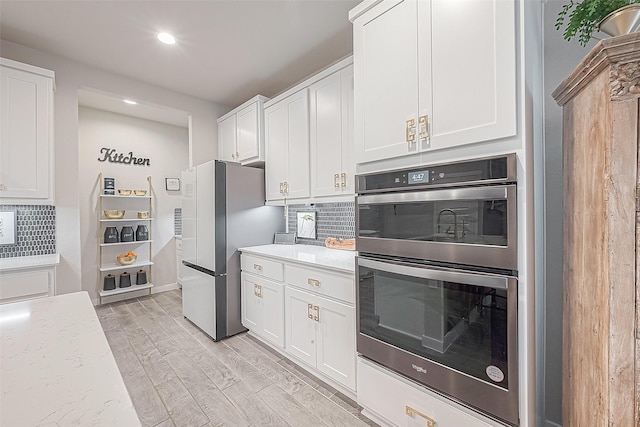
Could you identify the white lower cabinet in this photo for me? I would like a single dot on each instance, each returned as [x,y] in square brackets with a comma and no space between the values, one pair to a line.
[263,308]
[307,312]
[20,285]
[393,400]
[321,333]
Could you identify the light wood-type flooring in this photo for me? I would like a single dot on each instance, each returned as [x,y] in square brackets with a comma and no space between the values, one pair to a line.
[178,376]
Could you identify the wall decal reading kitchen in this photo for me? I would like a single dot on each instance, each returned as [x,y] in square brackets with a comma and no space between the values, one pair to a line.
[128,159]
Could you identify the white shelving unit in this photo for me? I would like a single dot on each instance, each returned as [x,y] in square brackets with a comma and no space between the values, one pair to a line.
[107,257]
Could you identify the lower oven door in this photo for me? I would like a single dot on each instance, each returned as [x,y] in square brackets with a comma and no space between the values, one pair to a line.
[454,331]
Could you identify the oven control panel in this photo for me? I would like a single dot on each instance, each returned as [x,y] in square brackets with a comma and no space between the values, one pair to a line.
[495,169]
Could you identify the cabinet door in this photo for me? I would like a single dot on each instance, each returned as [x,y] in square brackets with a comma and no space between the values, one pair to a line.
[227,139]
[276,128]
[326,135]
[297,182]
[251,304]
[385,42]
[272,296]
[19,285]
[348,163]
[300,329]
[336,346]
[474,87]
[26,108]
[248,134]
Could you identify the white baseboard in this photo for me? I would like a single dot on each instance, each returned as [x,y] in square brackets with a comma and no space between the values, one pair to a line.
[165,288]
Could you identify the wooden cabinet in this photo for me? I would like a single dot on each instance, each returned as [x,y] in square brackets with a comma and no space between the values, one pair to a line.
[331,134]
[404,403]
[26,134]
[263,308]
[601,282]
[241,133]
[452,81]
[287,145]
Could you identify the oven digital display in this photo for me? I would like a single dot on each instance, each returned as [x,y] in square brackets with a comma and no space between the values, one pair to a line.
[419,177]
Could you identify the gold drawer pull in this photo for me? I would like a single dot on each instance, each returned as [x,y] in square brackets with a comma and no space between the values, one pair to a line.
[313,282]
[410,412]
[336,177]
[316,317]
[257,267]
[344,179]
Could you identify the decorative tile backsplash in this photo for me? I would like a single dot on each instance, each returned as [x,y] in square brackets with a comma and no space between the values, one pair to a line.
[35,231]
[332,220]
[177,221]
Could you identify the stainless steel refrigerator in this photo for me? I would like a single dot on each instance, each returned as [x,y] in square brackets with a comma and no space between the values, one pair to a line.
[222,210]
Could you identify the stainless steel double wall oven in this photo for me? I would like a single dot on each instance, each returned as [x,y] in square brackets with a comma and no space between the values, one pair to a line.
[437,278]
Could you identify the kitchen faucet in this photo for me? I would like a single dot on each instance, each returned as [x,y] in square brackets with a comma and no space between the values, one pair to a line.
[455,222]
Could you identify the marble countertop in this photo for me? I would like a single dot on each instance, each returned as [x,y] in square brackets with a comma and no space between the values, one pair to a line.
[57,367]
[16,263]
[318,256]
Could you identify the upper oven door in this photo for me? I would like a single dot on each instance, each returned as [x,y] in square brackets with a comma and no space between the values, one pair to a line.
[472,226]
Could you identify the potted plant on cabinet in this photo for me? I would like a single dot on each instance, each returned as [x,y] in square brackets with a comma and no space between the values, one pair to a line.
[613,17]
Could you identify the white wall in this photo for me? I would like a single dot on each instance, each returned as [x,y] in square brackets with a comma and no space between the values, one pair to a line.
[167,148]
[71,76]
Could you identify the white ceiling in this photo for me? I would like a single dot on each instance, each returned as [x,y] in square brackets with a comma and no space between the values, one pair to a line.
[227,50]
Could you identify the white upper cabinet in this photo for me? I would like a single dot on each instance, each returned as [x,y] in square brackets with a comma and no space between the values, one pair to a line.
[331,134]
[432,74]
[287,142]
[26,134]
[473,71]
[227,138]
[241,133]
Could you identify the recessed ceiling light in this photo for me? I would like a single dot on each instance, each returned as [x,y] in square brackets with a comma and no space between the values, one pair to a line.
[130,102]
[166,38]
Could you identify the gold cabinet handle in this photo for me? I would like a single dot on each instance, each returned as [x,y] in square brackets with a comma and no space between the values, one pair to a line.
[257,267]
[423,126]
[344,179]
[286,187]
[237,155]
[313,282]
[309,308]
[255,290]
[281,187]
[336,177]
[3,187]
[260,291]
[316,317]
[411,411]
[233,156]
[410,131]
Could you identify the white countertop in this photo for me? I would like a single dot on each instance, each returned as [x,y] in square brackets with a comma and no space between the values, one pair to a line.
[16,263]
[57,368]
[318,256]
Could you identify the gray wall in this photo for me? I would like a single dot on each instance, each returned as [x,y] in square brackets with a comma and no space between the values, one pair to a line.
[560,58]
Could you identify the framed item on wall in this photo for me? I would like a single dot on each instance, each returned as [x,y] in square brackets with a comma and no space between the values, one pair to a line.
[8,227]
[306,226]
[172,184]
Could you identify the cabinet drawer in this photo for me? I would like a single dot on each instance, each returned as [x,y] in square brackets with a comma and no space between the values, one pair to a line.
[325,283]
[26,284]
[262,267]
[406,404]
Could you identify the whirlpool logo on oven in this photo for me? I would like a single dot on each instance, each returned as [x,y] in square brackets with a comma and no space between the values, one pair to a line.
[419,368]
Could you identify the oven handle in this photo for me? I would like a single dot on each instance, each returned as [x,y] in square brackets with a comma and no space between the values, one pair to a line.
[478,279]
[476,193]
